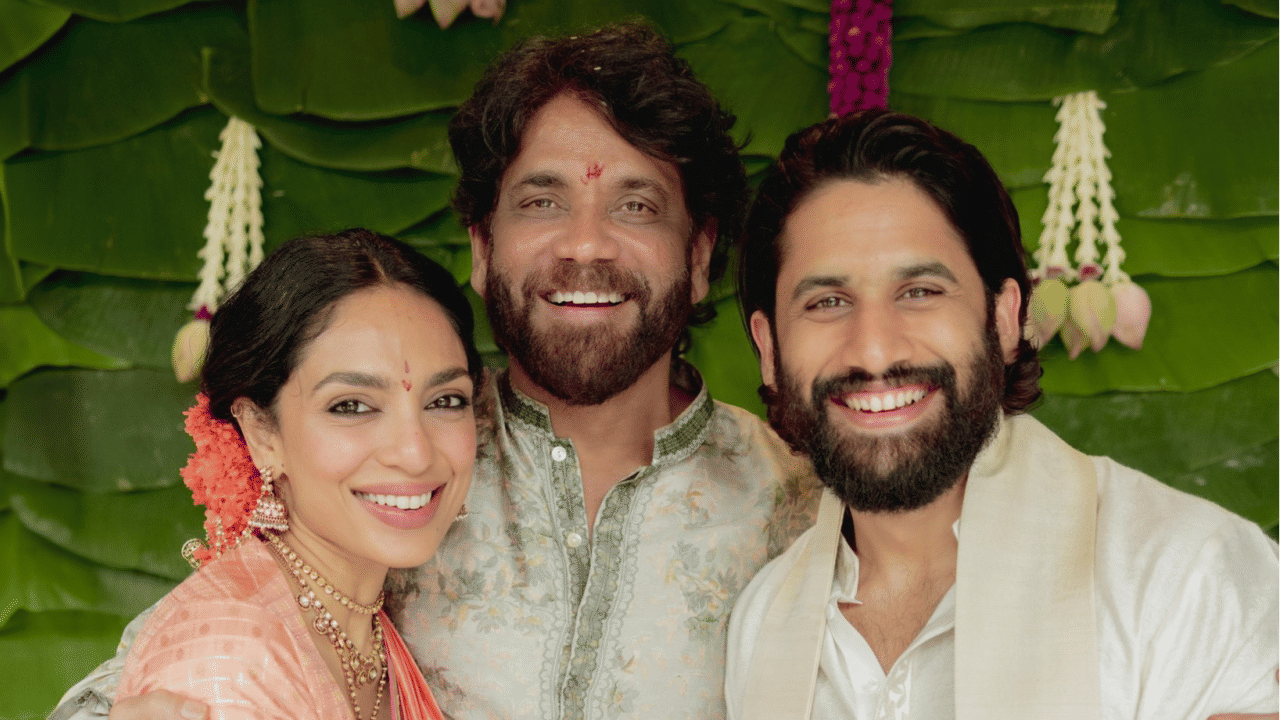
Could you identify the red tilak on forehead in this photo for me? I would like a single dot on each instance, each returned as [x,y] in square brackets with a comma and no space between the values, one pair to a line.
[593,173]
[405,382]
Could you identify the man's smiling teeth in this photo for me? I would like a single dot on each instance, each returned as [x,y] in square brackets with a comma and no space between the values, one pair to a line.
[884,402]
[585,298]
[404,502]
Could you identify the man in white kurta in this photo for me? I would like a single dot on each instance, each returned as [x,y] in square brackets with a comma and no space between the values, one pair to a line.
[966,561]
[1186,594]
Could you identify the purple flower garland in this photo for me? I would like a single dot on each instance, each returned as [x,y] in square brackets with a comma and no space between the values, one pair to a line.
[861,33]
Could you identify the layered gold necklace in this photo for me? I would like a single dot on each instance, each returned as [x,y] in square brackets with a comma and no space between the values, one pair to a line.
[358,669]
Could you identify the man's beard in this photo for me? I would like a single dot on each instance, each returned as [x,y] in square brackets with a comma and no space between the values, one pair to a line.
[587,364]
[894,473]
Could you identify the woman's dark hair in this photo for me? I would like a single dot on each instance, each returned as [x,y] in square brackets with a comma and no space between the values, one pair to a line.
[650,97]
[876,145]
[261,329]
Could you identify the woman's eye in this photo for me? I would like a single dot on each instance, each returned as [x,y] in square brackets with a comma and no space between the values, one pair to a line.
[349,407]
[450,402]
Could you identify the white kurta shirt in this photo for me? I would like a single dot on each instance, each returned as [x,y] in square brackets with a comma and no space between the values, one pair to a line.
[1187,619]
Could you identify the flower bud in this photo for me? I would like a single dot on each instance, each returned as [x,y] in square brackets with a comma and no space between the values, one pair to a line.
[1074,338]
[488,8]
[1093,311]
[1047,311]
[189,347]
[1133,312]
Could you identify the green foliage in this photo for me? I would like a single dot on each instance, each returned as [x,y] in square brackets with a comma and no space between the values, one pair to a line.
[97,431]
[110,112]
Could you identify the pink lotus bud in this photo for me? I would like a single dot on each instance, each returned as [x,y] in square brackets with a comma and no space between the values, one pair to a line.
[1093,311]
[1047,311]
[446,11]
[405,8]
[1133,312]
[1074,338]
[488,8]
[189,347]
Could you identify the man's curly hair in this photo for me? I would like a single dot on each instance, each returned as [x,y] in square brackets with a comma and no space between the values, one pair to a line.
[646,94]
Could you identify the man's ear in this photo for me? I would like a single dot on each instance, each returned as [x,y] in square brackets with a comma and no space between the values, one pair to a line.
[260,434]
[761,333]
[700,261]
[479,258]
[1007,306]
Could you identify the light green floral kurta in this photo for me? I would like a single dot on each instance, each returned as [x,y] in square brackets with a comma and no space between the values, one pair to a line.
[522,613]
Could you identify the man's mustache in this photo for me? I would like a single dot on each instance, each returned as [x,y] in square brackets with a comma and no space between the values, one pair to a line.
[856,380]
[594,277]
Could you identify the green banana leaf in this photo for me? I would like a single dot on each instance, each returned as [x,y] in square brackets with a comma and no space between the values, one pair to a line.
[1222,164]
[442,238]
[352,60]
[26,26]
[1174,436]
[116,10]
[1203,332]
[29,344]
[134,320]
[1172,248]
[143,73]
[127,531]
[1015,137]
[61,647]
[1215,154]
[98,431]
[723,353]
[299,198]
[134,208]
[419,141]
[758,78]
[43,577]
[1095,16]
[1153,40]
[1265,8]
[12,288]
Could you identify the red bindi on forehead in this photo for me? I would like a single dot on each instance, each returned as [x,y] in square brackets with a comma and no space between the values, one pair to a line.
[593,173]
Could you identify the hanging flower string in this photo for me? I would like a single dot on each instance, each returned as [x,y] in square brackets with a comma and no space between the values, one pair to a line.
[1103,302]
[233,240]
[861,53]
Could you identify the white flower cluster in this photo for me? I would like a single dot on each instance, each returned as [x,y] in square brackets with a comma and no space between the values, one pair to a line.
[233,240]
[1104,302]
[233,234]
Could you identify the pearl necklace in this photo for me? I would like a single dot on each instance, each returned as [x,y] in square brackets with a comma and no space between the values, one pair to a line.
[359,670]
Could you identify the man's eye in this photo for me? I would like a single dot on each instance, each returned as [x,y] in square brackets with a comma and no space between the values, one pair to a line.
[828,302]
[540,204]
[919,292]
[635,206]
[349,407]
[450,402]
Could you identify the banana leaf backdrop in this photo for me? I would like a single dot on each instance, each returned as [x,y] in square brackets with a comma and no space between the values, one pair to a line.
[109,115]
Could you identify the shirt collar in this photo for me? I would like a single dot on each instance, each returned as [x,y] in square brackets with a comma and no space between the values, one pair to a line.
[671,443]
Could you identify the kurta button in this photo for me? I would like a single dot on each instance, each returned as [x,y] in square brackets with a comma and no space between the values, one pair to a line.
[559,454]
[573,539]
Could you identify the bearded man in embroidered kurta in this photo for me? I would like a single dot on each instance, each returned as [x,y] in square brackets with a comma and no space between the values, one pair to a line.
[966,561]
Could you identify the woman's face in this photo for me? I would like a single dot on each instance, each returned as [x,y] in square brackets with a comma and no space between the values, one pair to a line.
[375,431]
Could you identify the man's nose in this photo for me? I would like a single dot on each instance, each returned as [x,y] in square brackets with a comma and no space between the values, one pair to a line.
[587,238]
[876,338]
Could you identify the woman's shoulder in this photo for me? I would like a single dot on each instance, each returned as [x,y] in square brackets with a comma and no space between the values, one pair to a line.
[234,618]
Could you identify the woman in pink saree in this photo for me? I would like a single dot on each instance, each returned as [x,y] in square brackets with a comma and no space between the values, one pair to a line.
[335,438]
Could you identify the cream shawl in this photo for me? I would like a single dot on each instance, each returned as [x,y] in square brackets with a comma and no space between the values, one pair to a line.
[1026,628]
